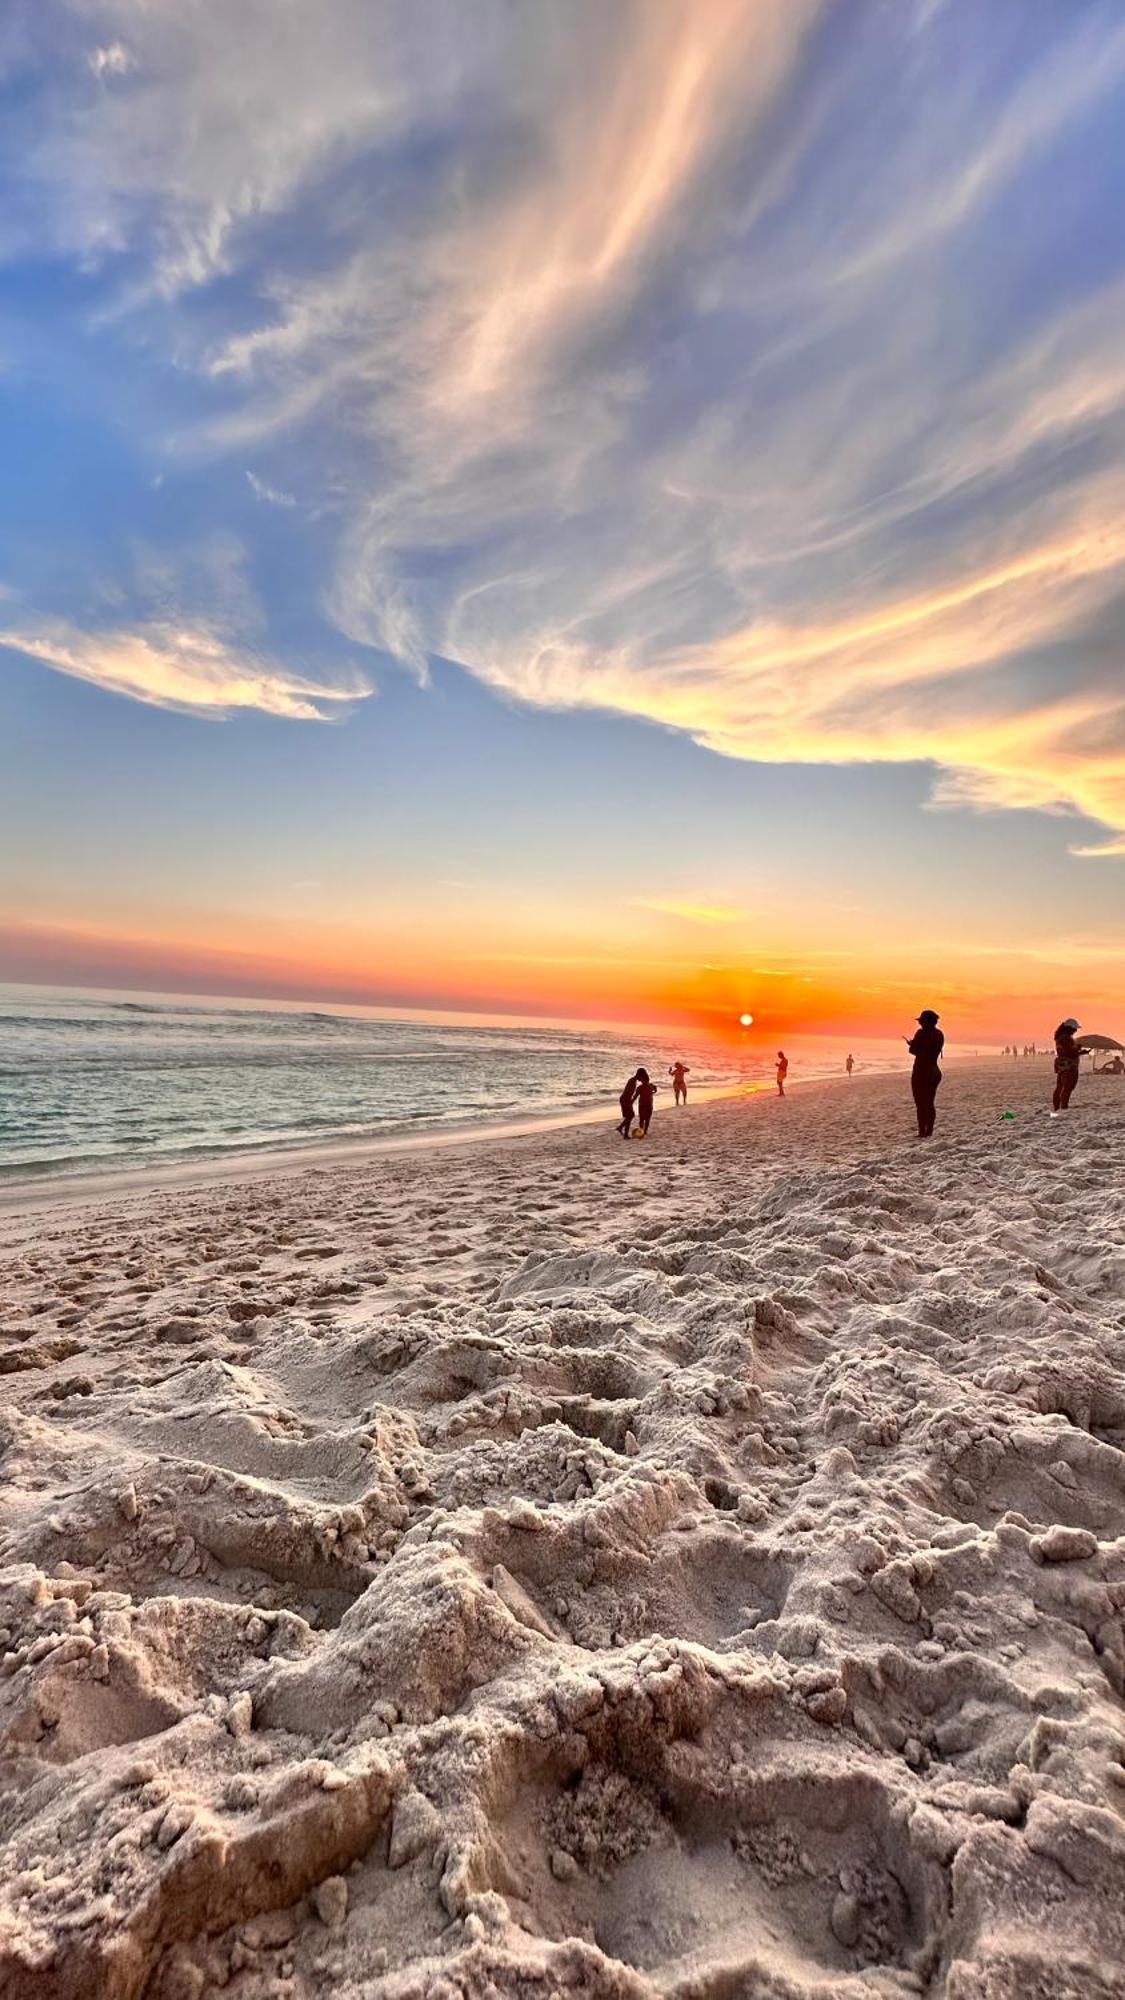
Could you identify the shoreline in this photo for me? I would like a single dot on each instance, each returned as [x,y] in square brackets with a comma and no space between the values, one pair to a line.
[80,1189]
[62,1190]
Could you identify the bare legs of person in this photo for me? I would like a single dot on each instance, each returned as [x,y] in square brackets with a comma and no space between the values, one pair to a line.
[1065,1080]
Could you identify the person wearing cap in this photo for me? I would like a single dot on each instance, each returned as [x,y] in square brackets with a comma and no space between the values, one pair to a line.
[1068,1055]
[926,1047]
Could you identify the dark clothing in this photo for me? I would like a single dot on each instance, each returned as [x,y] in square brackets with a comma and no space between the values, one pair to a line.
[924,1090]
[646,1094]
[1068,1055]
[926,1047]
[627,1100]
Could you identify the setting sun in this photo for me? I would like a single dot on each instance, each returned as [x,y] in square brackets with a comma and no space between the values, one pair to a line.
[746,1020]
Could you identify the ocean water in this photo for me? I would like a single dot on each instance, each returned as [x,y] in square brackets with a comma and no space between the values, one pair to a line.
[97,1081]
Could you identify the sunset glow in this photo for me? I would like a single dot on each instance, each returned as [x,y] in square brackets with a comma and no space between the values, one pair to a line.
[572,512]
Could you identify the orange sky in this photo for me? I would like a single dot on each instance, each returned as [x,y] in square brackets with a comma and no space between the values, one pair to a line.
[660,967]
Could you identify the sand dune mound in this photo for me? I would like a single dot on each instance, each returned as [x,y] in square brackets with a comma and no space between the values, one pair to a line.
[696,1575]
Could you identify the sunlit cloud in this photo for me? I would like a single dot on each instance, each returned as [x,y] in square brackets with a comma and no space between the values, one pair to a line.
[1102,850]
[691,913]
[697,362]
[112,60]
[190,670]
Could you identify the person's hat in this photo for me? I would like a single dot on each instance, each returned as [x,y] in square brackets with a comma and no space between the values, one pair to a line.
[928,1015]
[1070,1022]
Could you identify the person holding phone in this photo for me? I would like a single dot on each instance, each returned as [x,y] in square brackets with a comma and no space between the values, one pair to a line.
[926,1047]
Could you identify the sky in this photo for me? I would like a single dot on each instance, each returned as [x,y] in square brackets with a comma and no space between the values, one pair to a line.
[605,512]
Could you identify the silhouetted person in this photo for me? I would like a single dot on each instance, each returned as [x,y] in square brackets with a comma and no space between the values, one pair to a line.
[679,1074]
[926,1047]
[646,1094]
[782,1071]
[627,1100]
[1068,1055]
[850,1064]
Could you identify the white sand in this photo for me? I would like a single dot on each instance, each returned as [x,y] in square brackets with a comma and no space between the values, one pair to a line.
[556,1568]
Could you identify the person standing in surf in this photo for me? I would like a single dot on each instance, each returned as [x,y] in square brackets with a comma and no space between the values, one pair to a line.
[679,1074]
[782,1071]
[926,1047]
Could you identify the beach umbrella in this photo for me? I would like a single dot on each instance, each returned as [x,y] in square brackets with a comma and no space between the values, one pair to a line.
[1101,1042]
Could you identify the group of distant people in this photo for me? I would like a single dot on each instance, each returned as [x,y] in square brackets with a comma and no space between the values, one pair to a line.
[638,1099]
[1028,1049]
[926,1046]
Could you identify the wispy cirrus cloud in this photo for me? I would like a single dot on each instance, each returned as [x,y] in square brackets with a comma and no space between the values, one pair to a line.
[692,913]
[271,495]
[726,365]
[194,671]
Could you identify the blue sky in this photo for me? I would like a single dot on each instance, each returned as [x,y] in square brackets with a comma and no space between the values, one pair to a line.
[472,474]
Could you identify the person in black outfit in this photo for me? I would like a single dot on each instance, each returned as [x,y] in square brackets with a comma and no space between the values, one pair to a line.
[1068,1055]
[627,1100]
[926,1047]
[646,1093]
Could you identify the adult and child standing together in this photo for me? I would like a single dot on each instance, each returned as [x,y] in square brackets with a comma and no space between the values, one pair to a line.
[637,1101]
[639,1097]
[926,1046]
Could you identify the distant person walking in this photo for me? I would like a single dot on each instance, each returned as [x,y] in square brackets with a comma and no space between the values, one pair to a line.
[679,1074]
[850,1064]
[925,1078]
[1068,1055]
[646,1094]
[627,1100]
[782,1071]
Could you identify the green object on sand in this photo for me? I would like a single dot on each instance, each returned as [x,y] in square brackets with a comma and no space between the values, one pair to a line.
[1007,1114]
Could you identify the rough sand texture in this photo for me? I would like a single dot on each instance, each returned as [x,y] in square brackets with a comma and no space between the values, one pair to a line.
[689,1569]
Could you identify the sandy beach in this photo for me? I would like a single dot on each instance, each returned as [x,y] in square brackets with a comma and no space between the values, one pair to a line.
[553,1566]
